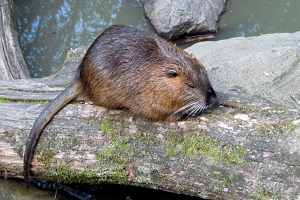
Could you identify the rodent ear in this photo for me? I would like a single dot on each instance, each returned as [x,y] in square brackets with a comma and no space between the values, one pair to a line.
[172,73]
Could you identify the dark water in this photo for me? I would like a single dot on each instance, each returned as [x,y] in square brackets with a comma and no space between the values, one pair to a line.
[256,17]
[16,189]
[117,192]
[48,29]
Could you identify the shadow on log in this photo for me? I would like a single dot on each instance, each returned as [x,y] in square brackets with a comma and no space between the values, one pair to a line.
[247,149]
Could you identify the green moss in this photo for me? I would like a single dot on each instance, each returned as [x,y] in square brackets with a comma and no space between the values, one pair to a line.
[9,135]
[232,156]
[284,126]
[265,191]
[225,182]
[67,175]
[117,152]
[244,108]
[194,143]
[266,196]
[5,100]
[173,143]
[45,155]
[146,138]
[107,127]
[20,151]
[64,174]
[34,101]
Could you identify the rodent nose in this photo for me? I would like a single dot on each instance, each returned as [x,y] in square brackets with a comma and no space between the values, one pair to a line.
[211,97]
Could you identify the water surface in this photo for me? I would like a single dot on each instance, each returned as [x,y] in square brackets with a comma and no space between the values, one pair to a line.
[49,29]
[245,18]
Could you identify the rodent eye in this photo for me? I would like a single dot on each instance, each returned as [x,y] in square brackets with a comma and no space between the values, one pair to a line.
[172,74]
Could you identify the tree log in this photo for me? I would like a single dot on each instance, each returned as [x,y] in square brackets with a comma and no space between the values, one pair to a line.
[12,64]
[245,149]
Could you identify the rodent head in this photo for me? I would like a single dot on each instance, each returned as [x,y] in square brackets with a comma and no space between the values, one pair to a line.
[177,90]
[195,92]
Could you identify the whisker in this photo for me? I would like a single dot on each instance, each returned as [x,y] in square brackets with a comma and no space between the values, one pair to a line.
[187,106]
[197,109]
[192,109]
[183,110]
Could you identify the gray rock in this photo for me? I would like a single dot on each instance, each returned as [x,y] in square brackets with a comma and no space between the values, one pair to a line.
[266,66]
[173,18]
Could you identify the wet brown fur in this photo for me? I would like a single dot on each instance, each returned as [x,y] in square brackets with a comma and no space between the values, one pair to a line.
[128,68]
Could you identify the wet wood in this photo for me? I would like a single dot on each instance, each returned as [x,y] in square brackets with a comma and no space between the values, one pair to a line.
[12,64]
[245,149]
[196,38]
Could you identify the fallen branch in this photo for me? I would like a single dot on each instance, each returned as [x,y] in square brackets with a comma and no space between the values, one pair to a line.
[242,150]
[12,63]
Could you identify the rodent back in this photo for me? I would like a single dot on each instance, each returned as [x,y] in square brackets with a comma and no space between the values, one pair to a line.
[128,68]
[117,64]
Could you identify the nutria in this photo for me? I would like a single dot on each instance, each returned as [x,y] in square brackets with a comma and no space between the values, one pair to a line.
[132,69]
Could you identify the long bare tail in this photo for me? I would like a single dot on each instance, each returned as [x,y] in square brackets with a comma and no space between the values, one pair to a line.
[55,105]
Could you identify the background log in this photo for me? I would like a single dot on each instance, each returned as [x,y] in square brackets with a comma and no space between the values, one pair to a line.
[12,64]
[244,150]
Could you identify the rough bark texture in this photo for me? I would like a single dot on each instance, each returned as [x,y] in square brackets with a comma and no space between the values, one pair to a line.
[245,150]
[12,64]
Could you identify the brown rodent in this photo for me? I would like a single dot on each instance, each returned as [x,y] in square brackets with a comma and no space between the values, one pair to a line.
[132,69]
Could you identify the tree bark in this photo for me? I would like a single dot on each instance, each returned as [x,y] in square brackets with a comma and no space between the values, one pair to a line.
[12,64]
[245,149]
